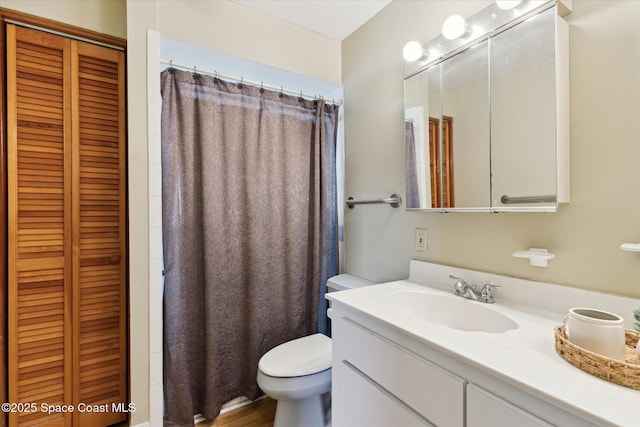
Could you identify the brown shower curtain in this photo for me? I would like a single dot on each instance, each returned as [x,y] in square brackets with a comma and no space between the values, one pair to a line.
[249,226]
[411,172]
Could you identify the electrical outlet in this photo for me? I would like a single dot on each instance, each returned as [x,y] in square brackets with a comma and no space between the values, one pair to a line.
[421,239]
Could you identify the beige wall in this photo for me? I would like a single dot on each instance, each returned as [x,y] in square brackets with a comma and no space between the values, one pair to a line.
[237,30]
[103,16]
[605,158]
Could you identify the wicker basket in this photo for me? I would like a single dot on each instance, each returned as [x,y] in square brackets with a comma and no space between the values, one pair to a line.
[623,373]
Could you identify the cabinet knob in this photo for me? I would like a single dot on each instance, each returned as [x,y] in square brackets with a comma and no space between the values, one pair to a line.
[115,259]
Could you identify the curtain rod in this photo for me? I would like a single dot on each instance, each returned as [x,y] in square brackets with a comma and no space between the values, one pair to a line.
[174,64]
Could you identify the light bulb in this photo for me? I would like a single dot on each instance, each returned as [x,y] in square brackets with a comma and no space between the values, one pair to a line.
[454,27]
[508,4]
[412,51]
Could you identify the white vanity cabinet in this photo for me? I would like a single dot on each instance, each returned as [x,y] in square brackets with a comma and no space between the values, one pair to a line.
[410,352]
[386,377]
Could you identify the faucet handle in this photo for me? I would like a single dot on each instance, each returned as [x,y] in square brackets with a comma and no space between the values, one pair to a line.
[461,285]
[485,293]
[460,280]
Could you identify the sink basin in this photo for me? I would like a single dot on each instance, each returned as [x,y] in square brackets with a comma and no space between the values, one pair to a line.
[451,311]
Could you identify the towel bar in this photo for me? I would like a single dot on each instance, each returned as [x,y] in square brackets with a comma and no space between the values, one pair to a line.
[527,199]
[394,200]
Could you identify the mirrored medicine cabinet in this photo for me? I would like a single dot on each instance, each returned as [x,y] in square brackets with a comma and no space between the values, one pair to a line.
[486,122]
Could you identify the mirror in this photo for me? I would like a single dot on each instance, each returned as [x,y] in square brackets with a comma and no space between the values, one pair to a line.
[422,103]
[482,129]
[465,127]
[523,113]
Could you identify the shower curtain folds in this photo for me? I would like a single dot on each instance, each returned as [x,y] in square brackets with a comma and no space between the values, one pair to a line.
[249,233]
[411,171]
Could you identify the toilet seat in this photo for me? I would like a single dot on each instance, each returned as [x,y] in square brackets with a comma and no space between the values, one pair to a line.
[303,356]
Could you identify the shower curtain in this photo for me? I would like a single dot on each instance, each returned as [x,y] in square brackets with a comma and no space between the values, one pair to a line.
[411,172]
[249,233]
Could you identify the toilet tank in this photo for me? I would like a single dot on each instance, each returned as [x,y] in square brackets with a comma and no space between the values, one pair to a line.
[343,282]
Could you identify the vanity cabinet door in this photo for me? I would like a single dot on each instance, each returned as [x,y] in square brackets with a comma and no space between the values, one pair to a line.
[485,409]
[431,392]
[369,404]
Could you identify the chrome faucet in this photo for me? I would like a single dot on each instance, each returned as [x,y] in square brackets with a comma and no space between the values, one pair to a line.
[466,290]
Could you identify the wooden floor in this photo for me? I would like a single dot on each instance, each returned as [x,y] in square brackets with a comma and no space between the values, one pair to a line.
[257,414]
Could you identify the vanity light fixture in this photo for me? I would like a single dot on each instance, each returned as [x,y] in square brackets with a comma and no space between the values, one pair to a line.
[508,4]
[459,32]
[413,52]
[455,27]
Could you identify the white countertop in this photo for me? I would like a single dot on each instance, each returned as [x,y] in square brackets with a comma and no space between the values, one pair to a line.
[524,357]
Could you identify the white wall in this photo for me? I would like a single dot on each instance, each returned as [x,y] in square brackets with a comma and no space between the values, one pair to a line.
[605,158]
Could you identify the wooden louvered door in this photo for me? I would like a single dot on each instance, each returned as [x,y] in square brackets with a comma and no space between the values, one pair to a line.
[67,341]
[99,239]
[39,224]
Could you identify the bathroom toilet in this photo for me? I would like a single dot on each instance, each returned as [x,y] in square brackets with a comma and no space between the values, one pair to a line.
[297,373]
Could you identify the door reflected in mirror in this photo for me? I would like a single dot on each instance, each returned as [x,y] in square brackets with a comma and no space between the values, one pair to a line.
[440,162]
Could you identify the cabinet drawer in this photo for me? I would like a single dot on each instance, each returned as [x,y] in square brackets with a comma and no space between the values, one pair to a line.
[429,390]
[485,409]
[369,404]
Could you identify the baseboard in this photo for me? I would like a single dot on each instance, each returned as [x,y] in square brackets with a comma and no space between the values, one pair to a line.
[231,405]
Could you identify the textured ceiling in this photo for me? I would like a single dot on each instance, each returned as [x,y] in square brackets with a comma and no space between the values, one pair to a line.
[333,18]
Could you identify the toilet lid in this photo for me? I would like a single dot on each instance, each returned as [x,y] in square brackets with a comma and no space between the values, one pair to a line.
[303,356]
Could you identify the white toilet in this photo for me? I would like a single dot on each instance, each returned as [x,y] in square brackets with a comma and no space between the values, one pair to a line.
[298,373]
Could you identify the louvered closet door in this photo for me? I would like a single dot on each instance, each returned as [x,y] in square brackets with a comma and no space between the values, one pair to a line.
[99,239]
[67,229]
[39,198]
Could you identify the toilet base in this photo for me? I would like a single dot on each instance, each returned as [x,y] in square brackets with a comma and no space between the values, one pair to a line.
[307,412]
